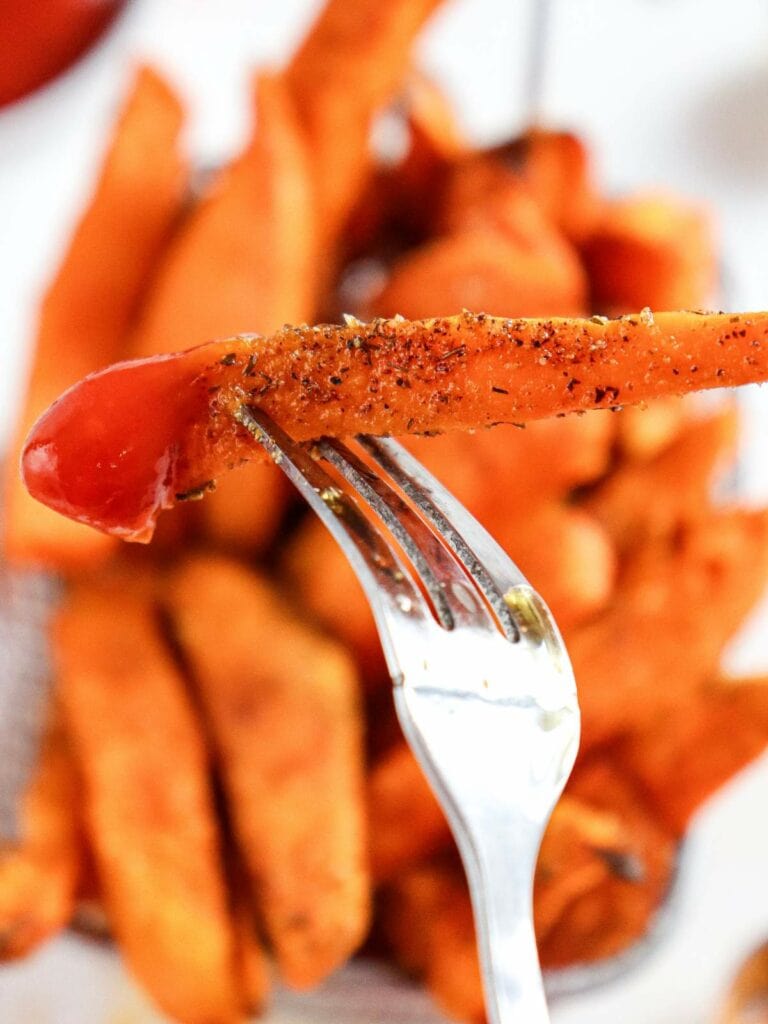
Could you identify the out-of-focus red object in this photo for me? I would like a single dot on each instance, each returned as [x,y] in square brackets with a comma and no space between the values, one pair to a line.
[40,38]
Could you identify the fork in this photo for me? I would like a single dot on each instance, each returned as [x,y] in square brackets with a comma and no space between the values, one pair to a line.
[482,683]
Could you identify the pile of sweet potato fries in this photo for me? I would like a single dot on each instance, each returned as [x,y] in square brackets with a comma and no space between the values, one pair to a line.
[222,782]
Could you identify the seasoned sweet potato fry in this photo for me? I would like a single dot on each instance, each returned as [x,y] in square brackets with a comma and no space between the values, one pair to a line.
[148,804]
[90,305]
[282,709]
[407,824]
[700,744]
[348,67]
[680,600]
[651,250]
[679,481]
[39,874]
[390,376]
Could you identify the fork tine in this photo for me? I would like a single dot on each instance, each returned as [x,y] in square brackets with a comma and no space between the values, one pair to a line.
[454,596]
[386,580]
[486,562]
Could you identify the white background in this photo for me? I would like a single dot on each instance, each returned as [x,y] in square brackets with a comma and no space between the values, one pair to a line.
[670,92]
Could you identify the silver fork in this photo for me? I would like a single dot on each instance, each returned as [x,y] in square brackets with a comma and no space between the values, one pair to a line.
[483,686]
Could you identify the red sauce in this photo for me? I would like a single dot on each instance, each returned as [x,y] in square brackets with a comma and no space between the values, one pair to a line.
[111,451]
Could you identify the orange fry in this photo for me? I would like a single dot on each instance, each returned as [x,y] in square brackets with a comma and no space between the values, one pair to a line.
[566,554]
[147,800]
[390,376]
[91,303]
[555,167]
[579,848]
[644,500]
[680,600]
[643,431]
[482,268]
[614,914]
[700,744]
[348,67]
[427,919]
[39,874]
[244,261]
[651,250]
[407,825]
[539,464]
[282,709]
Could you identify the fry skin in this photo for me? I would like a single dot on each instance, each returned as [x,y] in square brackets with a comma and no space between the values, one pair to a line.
[281,704]
[392,376]
[89,307]
[147,800]
[39,875]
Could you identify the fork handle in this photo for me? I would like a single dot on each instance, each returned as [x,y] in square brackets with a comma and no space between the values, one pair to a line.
[501,883]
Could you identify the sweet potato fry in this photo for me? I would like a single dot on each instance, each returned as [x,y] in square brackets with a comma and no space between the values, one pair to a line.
[678,603]
[555,167]
[651,250]
[390,376]
[427,919]
[643,431]
[243,260]
[482,268]
[245,511]
[611,916]
[324,583]
[566,554]
[539,464]
[406,823]
[39,874]
[581,848]
[348,67]
[677,483]
[282,709]
[148,804]
[90,305]
[700,744]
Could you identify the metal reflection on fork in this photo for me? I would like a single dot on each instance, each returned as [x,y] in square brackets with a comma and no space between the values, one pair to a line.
[483,686]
